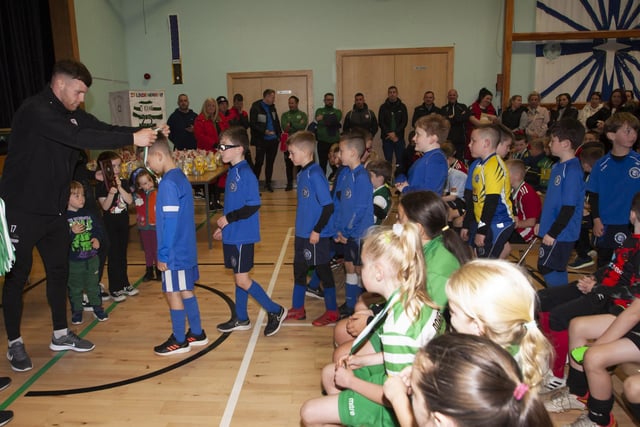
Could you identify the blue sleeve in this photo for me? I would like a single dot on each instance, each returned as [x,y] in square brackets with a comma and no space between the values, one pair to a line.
[573,191]
[430,176]
[362,215]
[167,206]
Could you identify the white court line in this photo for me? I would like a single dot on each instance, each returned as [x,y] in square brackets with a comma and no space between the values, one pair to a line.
[257,329]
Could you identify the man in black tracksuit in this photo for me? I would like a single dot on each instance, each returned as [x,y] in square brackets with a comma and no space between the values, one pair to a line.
[393,119]
[47,132]
[360,117]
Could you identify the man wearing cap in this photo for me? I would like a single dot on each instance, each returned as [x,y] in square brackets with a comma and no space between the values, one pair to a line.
[181,124]
[227,116]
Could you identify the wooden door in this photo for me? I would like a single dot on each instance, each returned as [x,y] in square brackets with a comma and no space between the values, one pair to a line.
[413,71]
[285,83]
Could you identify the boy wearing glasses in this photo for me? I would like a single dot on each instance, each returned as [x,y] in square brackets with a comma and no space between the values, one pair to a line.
[614,179]
[239,230]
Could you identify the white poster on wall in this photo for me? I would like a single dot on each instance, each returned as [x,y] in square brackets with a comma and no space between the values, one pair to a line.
[145,108]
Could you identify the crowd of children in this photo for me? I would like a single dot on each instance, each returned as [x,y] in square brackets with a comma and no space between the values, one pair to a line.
[415,273]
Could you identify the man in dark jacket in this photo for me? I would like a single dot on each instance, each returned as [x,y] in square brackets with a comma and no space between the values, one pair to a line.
[265,134]
[181,124]
[457,114]
[47,132]
[393,119]
[360,117]
[426,108]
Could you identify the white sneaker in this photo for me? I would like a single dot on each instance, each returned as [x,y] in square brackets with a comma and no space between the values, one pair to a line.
[563,401]
[552,383]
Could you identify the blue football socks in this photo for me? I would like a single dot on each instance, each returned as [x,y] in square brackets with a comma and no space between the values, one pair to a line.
[263,299]
[193,314]
[178,324]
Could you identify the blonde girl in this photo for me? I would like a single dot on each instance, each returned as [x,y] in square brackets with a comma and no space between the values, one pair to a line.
[493,298]
[393,266]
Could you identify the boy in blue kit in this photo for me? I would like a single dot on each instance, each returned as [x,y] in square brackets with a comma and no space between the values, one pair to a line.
[614,179]
[562,209]
[239,230]
[84,263]
[488,215]
[429,172]
[177,252]
[313,229]
[353,201]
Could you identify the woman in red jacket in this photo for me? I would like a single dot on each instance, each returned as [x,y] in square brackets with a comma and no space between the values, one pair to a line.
[205,127]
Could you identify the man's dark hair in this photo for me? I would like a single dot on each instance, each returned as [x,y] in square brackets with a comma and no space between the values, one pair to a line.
[358,94]
[73,69]
[295,98]
[238,97]
[267,92]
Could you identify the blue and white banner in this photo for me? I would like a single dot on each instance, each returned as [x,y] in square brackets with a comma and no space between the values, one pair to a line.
[579,67]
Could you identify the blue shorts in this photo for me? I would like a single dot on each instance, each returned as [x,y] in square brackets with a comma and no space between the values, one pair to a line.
[239,258]
[317,254]
[352,251]
[497,236]
[554,257]
[179,280]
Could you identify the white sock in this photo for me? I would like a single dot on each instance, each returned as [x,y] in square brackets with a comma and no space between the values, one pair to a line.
[12,342]
[61,333]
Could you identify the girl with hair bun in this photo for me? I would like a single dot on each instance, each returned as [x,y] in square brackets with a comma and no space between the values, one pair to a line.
[461,380]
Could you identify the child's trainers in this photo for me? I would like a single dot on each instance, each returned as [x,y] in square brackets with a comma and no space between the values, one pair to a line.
[100,314]
[345,311]
[563,401]
[329,317]
[552,383]
[70,342]
[171,346]
[274,322]
[130,290]
[584,421]
[197,340]
[76,317]
[103,293]
[234,325]
[314,293]
[296,314]
[118,296]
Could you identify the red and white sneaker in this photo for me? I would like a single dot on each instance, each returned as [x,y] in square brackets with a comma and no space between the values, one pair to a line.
[329,317]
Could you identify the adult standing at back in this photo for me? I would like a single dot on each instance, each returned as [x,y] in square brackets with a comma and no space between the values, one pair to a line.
[41,159]
[206,126]
[393,119]
[360,117]
[265,132]
[227,117]
[292,121]
[328,130]
[457,114]
[427,107]
[181,124]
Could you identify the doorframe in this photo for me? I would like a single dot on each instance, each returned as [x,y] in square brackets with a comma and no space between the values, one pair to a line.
[271,74]
[341,54]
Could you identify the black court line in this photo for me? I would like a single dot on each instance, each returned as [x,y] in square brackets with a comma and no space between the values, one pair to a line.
[164,370]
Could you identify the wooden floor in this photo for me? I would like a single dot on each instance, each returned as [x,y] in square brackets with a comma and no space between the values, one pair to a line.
[239,379]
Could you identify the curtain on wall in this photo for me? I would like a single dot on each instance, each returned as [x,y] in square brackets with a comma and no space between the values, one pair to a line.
[26,53]
[579,67]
